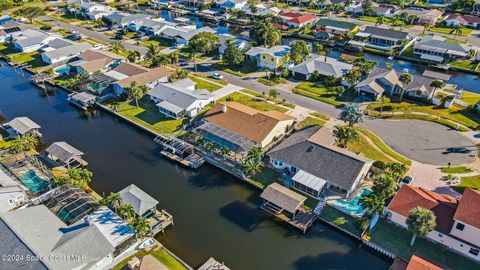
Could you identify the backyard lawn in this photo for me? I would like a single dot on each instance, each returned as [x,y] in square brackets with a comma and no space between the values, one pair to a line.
[466,64]
[470,98]
[446,30]
[32,58]
[161,255]
[244,69]
[397,239]
[202,84]
[147,115]
[341,219]
[330,95]
[265,177]
[257,104]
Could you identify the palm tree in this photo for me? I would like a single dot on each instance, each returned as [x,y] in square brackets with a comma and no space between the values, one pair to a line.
[126,211]
[193,57]
[384,186]
[420,222]
[252,166]
[114,200]
[136,92]
[345,135]
[174,57]
[436,84]
[273,93]
[23,143]
[380,20]
[397,169]
[405,79]
[351,114]
[133,56]
[255,152]
[141,226]
[224,151]
[425,26]
[373,203]
[457,29]
[210,146]
[153,55]
[116,46]
[266,69]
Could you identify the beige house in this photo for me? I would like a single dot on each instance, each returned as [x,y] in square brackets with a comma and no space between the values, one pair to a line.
[458,221]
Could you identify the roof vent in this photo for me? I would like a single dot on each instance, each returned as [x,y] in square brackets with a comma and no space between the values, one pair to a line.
[310,149]
[224,108]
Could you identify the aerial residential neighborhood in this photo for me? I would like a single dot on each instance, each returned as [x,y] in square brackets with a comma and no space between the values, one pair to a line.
[240,134]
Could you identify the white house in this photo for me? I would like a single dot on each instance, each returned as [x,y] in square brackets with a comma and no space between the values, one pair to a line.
[32,40]
[458,221]
[65,53]
[464,20]
[182,35]
[226,38]
[180,98]
[438,49]
[12,194]
[233,4]
[297,20]
[95,11]
[324,65]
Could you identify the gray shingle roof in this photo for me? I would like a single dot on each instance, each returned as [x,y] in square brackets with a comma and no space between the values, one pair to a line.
[22,125]
[336,24]
[63,151]
[29,41]
[283,197]
[441,45]
[67,51]
[325,162]
[393,34]
[138,198]
[326,66]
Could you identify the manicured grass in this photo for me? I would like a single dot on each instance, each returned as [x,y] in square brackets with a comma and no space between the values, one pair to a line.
[210,79]
[278,101]
[342,220]
[272,82]
[470,182]
[265,177]
[384,147]
[147,115]
[202,84]
[161,255]
[459,169]
[65,17]
[370,19]
[253,102]
[32,58]
[430,118]
[364,147]
[470,98]
[242,70]
[319,115]
[330,95]
[161,42]
[446,30]
[5,144]
[466,64]
[454,113]
[378,51]
[39,23]
[397,240]
[310,121]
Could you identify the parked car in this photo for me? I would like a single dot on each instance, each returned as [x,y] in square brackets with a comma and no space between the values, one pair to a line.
[46,28]
[119,36]
[74,37]
[217,76]
[98,46]
[71,31]
[407,180]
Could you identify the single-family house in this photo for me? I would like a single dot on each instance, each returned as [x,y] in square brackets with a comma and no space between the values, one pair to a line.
[12,194]
[9,30]
[91,61]
[382,81]
[335,27]
[324,65]
[421,15]
[233,4]
[355,7]
[313,164]
[5,19]
[464,20]
[457,221]
[419,263]
[66,155]
[271,58]
[20,126]
[32,40]
[239,127]
[381,38]
[65,53]
[182,35]
[297,20]
[438,49]
[95,11]
[123,20]
[226,38]
[180,98]
[386,11]
[262,10]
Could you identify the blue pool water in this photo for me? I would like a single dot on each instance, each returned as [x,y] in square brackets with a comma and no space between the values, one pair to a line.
[63,70]
[352,207]
[33,182]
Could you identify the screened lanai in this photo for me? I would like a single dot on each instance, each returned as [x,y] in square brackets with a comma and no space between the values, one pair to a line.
[224,137]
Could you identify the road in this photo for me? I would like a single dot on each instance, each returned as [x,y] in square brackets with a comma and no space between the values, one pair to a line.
[92,34]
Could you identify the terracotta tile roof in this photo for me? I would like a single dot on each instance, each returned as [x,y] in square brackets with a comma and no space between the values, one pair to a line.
[245,121]
[468,210]
[417,263]
[303,18]
[443,206]
[147,77]
[463,18]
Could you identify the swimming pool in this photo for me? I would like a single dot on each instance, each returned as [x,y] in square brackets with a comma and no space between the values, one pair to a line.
[33,182]
[352,207]
[63,70]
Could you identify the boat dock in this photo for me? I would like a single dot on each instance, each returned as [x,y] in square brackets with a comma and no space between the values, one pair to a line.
[82,100]
[160,221]
[179,151]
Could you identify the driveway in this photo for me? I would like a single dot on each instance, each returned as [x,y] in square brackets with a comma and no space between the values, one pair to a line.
[425,142]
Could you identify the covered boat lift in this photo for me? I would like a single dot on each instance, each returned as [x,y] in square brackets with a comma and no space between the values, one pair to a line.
[179,151]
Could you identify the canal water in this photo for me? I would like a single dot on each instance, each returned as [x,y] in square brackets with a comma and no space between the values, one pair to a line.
[215,215]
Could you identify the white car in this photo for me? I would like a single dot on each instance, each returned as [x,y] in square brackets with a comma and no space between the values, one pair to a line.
[217,76]
[98,46]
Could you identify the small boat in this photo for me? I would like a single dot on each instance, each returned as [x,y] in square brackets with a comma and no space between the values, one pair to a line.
[150,242]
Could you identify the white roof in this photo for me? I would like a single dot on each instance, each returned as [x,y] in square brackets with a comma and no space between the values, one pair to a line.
[139,199]
[309,180]
[326,66]
[277,51]
[22,125]
[431,57]
[116,75]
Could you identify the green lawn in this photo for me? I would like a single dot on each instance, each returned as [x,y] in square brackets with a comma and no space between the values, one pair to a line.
[470,98]
[202,84]
[330,95]
[161,255]
[447,30]
[32,58]
[455,113]
[161,42]
[265,177]
[272,82]
[253,102]
[370,19]
[210,79]
[456,170]
[368,150]
[147,115]
[470,182]
[65,17]
[397,239]
[466,64]
[242,70]
[319,115]
[278,101]
[341,219]
[310,121]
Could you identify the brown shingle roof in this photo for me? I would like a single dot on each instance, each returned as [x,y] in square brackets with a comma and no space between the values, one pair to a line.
[245,121]
[417,263]
[149,76]
[468,210]
[443,206]
[130,69]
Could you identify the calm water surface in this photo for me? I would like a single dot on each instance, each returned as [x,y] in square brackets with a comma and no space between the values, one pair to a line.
[215,215]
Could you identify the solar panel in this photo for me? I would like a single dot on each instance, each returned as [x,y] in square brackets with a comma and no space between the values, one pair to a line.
[12,30]
[240,142]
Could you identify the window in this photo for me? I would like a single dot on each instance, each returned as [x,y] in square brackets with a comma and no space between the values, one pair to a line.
[474,251]
[460,226]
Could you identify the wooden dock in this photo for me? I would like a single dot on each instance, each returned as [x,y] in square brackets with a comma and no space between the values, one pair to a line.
[193,161]
[302,221]
[160,221]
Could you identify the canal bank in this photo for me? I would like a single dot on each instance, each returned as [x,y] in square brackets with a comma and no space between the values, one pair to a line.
[215,214]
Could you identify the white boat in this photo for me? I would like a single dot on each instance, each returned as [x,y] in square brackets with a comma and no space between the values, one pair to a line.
[150,242]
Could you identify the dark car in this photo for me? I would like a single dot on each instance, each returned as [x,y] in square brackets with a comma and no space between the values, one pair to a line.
[119,36]
[46,28]
[74,37]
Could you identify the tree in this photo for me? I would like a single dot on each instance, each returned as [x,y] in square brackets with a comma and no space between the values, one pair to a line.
[373,203]
[353,76]
[174,57]
[255,152]
[116,46]
[153,55]
[420,222]
[141,226]
[384,186]
[263,33]
[435,85]
[345,135]
[396,169]
[203,42]
[273,93]
[179,74]
[23,143]
[364,65]
[224,151]
[133,56]
[405,79]
[457,29]
[29,12]
[351,114]
[368,7]
[299,51]
[425,26]
[79,177]
[380,20]
[252,166]
[136,92]
[114,200]
[126,211]
[233,56]
[266,70]
[319,49]
[193,57]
